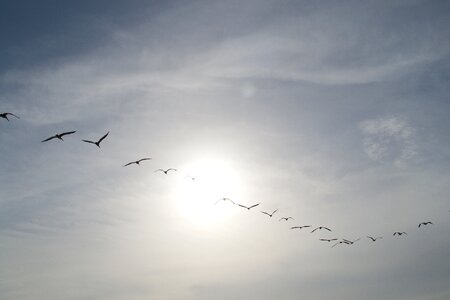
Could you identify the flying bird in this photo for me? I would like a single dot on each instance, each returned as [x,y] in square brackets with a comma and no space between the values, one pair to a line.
[338,243]
[424,223]
[300,227]
[327,240]
[350,242]
[286,218]
[59,136]
[374,238]
[6,114]
[137,161]
[399,233]
[225,199]
[97,143]
[190,177]
[270,215]
[249,207]
[166,171]
[321,227]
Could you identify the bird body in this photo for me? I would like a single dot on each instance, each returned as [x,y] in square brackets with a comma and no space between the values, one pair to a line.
[424,223]
[97,143]
[300,227]
[249,207]
[59,136]
[319,228]
[399,233]
[270,215]
[225,199]
[166,171]
[137,161]
[6,114]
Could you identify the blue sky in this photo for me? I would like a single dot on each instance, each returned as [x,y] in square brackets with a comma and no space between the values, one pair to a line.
[334,113]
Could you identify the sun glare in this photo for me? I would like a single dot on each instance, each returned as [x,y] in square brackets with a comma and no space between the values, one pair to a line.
[199,190]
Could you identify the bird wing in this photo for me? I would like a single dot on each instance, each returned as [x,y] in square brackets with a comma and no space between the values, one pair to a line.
[295,227]
[171,169]
[146,158]
[274,211]
[266,213]
[102,138]
[68,132]
[242,206]
[254,205]
[314,229]
[11,114]
[48,139]
[326,228]
[87,141]
[133,162]
[159,170]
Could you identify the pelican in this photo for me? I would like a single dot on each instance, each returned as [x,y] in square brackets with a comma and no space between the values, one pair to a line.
[300,227]
[374,238]
[59,136]
[249,207]
[321,227]
[166,171]
[424,223]
[327,240]
[97,143]
[137,161]
[399,233]
[270,215]
[225,199]
[6,114]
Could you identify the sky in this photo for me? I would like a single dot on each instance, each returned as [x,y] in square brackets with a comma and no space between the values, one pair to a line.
[333,112]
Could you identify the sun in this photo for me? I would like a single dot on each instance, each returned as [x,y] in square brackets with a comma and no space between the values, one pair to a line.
[200,187]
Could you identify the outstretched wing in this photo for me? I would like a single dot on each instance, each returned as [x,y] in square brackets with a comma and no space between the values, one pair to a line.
[102,138]
[326,228]
[50,138]
[90,142]
[171,169]
[254,205]
[243,206]
[11,114]
[315,229]
[67,133]
[146,158]
[130,163]
[266,213]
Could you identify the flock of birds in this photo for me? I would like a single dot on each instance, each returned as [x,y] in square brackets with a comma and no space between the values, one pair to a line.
[338,241]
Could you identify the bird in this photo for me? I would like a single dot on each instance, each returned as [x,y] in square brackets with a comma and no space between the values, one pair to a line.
[225,199]
[424,223]
[249,207]
[59,136]
[321,227]
[6,114]
[399,233]
[286,218]
[338,243]
[137,161]
[374,238]
[166,171]
[270,215]
[98,142]
[190,177]
[300,227]
[327,240]
[350,242]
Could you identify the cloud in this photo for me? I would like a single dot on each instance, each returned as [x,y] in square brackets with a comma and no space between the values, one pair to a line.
[389,140]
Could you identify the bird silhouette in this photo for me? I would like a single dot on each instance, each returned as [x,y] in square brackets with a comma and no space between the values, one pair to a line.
[6,114]
[350,242]
[340,242]
[97,143]
[286,218]
[399,233]
[249,207]
[190,177]
[424,223]
[270,215]
[327,240]
[374,238]
[320,227]
[300,227]
[137,161]
[59,136]
[166,171]
[225,199]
